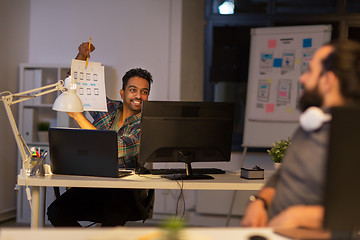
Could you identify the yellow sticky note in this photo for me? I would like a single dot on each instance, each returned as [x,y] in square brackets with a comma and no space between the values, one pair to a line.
[288,110]
[269,80]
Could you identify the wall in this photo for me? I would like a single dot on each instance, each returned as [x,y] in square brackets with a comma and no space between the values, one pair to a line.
[14,25]
[192,50]
[126,34]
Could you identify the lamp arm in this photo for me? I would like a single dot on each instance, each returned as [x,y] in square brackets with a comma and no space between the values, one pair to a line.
[20,143]
[59,86]
[8,100]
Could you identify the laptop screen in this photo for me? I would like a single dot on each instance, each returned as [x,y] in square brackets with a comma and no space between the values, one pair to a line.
[76,151]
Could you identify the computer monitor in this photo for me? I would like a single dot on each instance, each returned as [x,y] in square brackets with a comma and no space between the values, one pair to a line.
[178,131]
[342,197]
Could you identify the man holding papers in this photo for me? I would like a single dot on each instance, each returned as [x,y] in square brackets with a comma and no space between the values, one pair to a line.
[110,207]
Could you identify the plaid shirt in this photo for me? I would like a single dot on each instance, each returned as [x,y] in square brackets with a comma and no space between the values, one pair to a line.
[128,134]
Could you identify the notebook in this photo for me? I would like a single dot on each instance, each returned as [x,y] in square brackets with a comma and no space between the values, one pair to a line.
[75,151]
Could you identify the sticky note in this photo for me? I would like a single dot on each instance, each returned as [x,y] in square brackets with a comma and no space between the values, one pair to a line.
[272,43]
[277,62]
[269,108]
[307,43]
[288,110]
[283,94]
[269,80]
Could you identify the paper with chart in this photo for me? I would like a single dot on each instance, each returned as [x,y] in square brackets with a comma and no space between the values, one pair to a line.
[277,63]
[278,56]
[90,84]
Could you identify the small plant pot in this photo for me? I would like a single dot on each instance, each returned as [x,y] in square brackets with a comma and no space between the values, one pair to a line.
[277,165]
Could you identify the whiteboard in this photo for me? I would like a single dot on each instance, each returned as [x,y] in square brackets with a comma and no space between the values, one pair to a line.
[278,57]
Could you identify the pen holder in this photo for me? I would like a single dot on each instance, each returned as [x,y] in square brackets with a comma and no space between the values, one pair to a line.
[37,167]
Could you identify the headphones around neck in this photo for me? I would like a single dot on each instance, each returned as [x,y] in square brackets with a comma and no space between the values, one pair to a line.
[313,118]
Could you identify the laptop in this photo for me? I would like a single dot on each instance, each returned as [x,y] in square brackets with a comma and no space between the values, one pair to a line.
[75,151]
[341,196]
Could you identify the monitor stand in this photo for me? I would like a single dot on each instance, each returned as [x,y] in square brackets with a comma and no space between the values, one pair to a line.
[186,157]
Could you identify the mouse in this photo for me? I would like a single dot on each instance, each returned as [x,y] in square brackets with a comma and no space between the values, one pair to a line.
[257,237]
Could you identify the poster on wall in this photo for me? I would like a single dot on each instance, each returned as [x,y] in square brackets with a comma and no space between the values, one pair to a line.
[278,62]
[278,57]
[90,84]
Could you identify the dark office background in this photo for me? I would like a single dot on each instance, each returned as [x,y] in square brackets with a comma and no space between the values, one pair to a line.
[227,40]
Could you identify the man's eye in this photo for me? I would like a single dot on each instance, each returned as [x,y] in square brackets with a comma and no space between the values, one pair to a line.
[145,92]
[132,90]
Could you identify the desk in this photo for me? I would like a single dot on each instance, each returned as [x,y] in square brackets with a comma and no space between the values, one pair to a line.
[127,233]
[228,181]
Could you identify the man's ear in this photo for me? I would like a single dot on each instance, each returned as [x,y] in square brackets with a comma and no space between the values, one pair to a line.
[330,82]
[122,94]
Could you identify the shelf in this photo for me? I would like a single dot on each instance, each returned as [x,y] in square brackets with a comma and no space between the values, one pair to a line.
[38,106]
[40,144]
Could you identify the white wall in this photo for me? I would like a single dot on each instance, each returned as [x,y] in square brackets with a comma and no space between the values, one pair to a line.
[126,34]
[14,26]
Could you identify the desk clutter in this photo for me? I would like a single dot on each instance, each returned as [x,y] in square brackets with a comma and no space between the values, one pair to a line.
[37,164]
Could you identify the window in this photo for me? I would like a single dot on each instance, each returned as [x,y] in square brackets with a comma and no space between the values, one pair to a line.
[227,41]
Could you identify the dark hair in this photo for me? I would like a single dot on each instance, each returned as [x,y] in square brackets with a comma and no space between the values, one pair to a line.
[136,72]
[344,62]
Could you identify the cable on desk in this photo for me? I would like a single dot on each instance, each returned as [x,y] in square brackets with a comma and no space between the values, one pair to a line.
[181,195]
[27,189]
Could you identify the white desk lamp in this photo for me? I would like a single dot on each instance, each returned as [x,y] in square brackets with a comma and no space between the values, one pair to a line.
[67,101]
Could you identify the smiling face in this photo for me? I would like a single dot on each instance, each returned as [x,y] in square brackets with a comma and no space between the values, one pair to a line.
[136,91]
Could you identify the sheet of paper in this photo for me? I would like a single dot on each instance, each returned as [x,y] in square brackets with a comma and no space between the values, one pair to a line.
[90,84]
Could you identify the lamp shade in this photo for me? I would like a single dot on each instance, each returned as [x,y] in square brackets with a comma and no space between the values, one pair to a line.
[68,101]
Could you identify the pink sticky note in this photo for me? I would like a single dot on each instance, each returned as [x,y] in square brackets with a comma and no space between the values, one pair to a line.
[272,43]
[269,107]
[283,94]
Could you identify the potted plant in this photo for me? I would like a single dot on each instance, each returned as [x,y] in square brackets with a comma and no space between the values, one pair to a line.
[43,128]
[277,151]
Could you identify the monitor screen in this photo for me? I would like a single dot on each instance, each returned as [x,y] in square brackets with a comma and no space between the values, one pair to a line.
[186,132]
[342,198]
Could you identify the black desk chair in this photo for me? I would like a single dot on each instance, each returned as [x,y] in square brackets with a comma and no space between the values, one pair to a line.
[145,206]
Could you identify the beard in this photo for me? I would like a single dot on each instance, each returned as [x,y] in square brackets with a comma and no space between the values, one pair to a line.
[310,98]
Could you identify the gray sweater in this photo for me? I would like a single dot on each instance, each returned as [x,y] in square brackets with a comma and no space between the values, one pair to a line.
[300,179]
